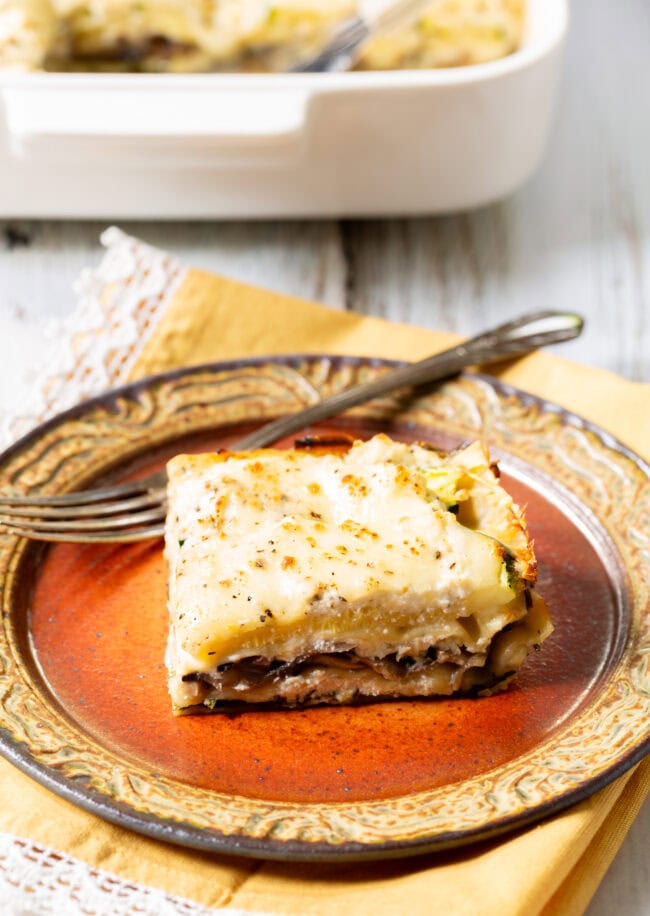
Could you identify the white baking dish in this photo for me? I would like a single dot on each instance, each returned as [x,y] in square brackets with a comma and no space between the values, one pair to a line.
[229,146]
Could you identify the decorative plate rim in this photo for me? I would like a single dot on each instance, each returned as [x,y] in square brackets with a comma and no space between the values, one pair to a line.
[81,791]
[291,359]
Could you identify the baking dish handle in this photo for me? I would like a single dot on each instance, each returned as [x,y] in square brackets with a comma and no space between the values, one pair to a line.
[220,126]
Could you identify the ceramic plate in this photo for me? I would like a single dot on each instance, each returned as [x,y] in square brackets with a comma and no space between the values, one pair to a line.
[84,707]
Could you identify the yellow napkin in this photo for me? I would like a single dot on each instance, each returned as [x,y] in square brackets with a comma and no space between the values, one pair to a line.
[551,868]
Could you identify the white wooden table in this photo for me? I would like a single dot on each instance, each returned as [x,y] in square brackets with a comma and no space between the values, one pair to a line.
[578,238]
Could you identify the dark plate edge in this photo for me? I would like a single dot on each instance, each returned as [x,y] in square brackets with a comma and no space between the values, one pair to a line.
[205,840]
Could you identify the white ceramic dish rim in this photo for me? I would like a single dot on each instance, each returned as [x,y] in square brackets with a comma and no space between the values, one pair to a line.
[546,29]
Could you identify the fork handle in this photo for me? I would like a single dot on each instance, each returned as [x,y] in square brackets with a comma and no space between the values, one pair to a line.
[511,339]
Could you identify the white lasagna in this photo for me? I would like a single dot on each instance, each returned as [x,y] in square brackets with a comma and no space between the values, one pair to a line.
[301,577]
[260,35]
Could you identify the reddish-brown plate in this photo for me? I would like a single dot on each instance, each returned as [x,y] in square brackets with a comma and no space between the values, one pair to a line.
[84,707]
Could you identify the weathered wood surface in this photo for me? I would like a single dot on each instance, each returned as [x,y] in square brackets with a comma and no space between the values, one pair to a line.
[577,237]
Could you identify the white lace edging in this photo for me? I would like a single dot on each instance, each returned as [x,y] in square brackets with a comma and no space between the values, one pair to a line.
[119,304]
[36,880]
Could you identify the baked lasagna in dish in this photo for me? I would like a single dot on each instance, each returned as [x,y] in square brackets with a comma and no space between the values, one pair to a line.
[340,574]
[257,35]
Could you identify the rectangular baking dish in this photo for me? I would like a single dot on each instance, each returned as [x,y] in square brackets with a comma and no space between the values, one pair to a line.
[282,145]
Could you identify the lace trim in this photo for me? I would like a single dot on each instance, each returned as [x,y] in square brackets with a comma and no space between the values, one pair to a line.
[36,880]
[118,306]
[94,348]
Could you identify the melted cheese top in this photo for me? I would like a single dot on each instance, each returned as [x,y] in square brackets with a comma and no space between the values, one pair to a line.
[279,552]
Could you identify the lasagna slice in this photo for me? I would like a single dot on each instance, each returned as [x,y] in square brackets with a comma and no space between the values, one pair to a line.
[375,570]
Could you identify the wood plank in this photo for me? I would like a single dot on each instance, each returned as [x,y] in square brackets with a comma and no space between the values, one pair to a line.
[577,237]
[39,261]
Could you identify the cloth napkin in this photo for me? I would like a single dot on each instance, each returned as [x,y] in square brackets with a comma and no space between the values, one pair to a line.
[551,868]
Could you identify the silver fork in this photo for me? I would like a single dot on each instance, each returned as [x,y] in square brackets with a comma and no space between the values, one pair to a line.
[136,511]
[375,16]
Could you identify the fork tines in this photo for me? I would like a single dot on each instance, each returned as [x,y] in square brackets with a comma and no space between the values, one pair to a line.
[131,512]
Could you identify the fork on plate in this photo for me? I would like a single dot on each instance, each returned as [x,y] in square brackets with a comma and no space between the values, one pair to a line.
[136,511]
